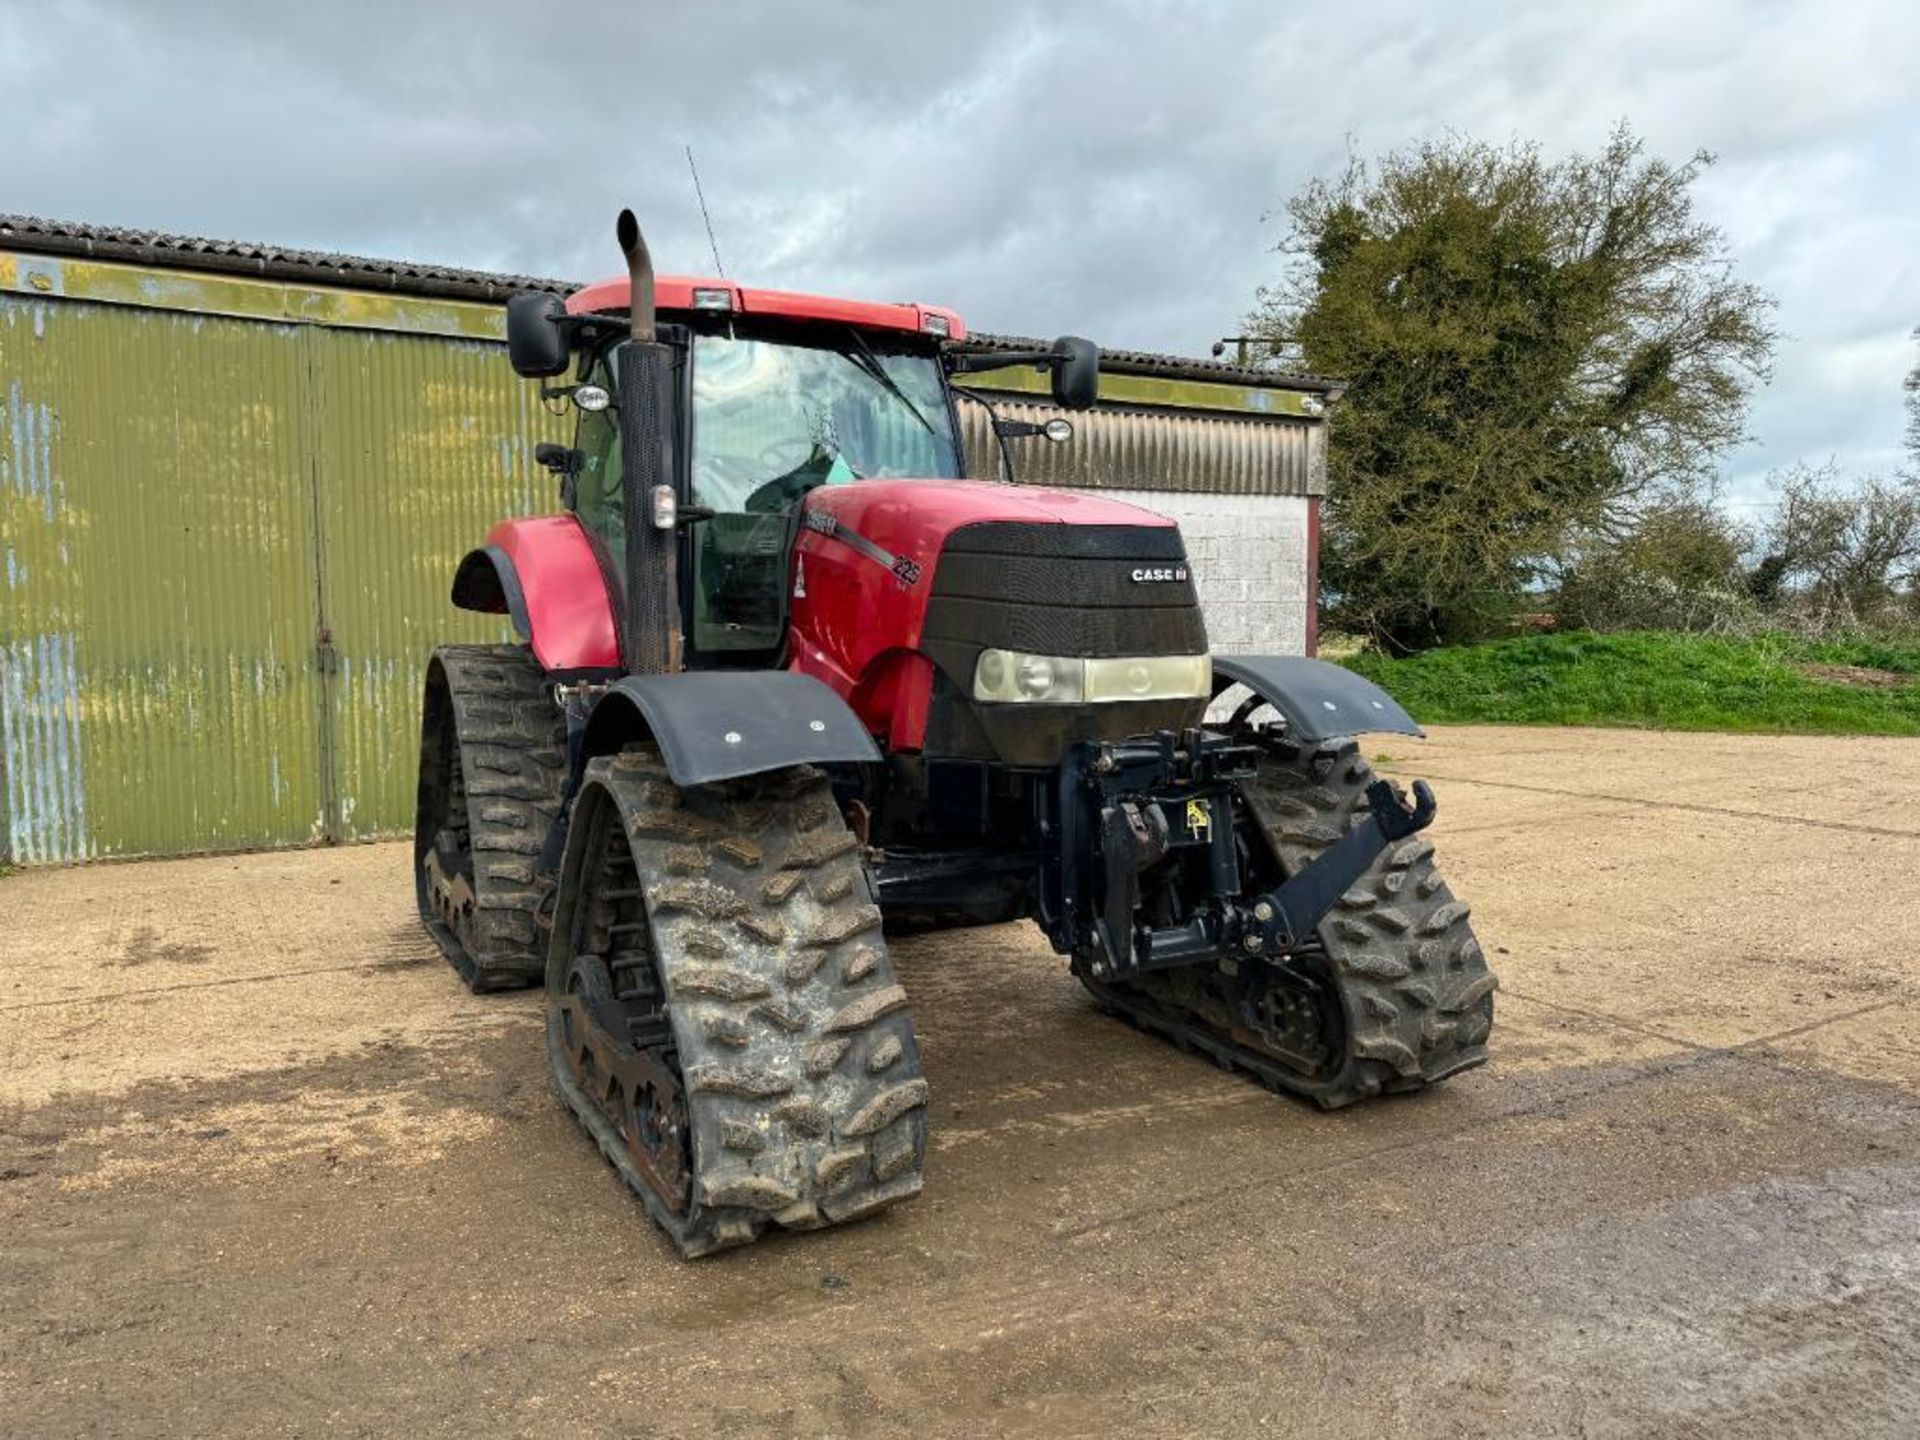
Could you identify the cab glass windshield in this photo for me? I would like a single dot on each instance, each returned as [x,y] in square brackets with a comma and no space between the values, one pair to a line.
[773,419]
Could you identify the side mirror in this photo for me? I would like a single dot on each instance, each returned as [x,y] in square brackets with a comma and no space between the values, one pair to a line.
[536,345]
[1076,373]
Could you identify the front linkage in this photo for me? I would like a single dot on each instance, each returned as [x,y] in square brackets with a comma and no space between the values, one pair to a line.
[1120,810]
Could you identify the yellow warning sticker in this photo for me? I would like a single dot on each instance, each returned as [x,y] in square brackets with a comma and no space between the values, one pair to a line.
[1199,819]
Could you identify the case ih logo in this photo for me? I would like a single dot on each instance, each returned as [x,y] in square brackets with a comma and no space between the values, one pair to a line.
[1154,574]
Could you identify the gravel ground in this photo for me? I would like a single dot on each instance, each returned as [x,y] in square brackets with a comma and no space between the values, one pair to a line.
[266,1169]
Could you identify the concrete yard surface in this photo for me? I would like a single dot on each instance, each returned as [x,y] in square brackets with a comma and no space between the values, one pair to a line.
[266,1169]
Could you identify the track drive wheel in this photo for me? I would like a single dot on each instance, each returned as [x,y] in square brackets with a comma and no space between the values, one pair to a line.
[722,1015]
[493,758]
[1398,994]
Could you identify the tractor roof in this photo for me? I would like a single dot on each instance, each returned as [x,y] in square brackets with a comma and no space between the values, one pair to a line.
[686,292]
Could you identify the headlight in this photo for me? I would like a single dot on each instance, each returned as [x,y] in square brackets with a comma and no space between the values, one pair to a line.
[1151,677]
[1041,677]
[1010,676]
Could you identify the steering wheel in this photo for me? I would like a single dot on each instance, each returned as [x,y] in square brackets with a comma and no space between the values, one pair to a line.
[788,483]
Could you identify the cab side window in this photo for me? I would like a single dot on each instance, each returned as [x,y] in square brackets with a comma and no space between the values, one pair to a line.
[599,499]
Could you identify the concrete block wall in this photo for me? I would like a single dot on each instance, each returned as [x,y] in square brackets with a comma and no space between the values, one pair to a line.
[1250,564]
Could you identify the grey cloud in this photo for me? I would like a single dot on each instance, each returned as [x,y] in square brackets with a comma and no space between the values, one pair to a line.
[1103,168]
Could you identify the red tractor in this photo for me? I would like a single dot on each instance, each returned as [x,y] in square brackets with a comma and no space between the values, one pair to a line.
[791,681]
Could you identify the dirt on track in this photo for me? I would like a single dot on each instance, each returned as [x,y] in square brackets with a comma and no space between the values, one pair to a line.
[266,1168]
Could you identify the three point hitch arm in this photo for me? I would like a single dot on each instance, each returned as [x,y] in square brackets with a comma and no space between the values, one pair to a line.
[1135,832]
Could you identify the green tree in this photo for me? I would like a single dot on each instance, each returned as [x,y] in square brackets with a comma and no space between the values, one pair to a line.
[1846,552]
[1677,567]
[1535,351]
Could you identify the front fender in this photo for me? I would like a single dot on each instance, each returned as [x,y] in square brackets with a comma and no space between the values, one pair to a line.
[1318,700]
[544,574]
[719,724]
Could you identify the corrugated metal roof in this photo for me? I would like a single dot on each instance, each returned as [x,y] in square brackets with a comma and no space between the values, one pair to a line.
[1171,367]
[35,235]
[270,262]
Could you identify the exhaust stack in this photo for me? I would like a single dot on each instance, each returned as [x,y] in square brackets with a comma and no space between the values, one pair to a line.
[651,639]
[633,245]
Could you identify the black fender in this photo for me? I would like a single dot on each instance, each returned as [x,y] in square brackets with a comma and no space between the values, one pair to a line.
[719,724]
[488,582]
[1318,700]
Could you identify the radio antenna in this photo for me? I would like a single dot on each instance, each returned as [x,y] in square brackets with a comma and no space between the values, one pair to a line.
[712,244]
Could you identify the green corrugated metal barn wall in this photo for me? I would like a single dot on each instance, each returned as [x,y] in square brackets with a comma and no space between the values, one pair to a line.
[229,511]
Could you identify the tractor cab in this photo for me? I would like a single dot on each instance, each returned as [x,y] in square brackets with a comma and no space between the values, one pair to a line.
[774,409]
[774,395]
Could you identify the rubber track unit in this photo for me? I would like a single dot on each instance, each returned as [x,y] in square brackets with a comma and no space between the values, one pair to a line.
[493,760]
[796,1055]
[1411,980]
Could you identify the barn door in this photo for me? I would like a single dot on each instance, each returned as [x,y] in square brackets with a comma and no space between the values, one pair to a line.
[423,442]
[158,686]
[225,550]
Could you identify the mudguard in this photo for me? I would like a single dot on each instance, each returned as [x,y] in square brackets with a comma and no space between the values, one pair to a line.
[487,582]
[719,724]
[544,575]
[1318,700]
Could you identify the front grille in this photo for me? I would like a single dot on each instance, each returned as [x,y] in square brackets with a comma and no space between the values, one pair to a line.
[1060,590]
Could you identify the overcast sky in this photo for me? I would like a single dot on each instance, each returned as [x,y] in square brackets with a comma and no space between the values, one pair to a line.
[1106,169]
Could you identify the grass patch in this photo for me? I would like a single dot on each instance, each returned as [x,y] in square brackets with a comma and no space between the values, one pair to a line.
[1771,684]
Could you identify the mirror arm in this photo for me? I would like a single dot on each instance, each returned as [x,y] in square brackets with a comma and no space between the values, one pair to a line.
[575,325]
[974,362]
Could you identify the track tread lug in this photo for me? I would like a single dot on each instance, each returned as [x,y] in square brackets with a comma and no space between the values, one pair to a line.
[747,1189]
[859,965]
[806,1116]
[745,1081]
[837,929]
[837,1167]
[705,898]
[722,982]
[824,1055]
[866,1009]
[783,1015]
[814,848]
[780,886]
[769,929]
[886,1107]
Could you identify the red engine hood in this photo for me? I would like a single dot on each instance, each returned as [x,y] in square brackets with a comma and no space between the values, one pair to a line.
[913,518]
[863,567]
